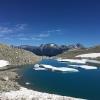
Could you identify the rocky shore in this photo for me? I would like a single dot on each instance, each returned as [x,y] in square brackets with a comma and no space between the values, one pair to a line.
[11,90]
[26,94]
[8,77]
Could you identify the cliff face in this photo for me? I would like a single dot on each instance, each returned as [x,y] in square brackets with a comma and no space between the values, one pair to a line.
[17,56]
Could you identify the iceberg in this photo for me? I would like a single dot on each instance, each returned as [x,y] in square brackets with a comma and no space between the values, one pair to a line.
[63,69]
[37,67]
[84,66]
[53,68]
[81,61]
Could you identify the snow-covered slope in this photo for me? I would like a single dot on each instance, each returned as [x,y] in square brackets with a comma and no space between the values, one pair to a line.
[89,55]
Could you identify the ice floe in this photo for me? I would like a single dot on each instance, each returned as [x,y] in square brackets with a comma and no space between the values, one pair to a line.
[27,83]
[53,68]
[84,66]
[89,55]
[81,61]
[38,67]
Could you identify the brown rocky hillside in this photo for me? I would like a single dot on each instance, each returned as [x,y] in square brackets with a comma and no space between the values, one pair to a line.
[17,56]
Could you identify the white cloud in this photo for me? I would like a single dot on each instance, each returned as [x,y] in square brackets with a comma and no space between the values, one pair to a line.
[57,30]
[20,27]
[52,31]
[5,30]
[18,31]
[7,38]
[40,36]
[13,29]
[43,35]
[24,38]
[37,39]
[1,35]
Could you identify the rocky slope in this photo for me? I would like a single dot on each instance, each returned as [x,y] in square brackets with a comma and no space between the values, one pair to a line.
[17,56]
[75,52]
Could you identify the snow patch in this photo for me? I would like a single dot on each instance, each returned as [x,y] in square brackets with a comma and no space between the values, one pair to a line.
[4,63]
[89,55]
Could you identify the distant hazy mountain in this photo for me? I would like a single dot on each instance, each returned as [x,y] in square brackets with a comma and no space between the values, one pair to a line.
[50,49]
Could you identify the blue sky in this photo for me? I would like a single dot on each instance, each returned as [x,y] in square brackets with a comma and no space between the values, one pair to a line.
[34,22]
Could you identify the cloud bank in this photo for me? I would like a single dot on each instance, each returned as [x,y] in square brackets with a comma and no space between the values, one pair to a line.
[20,32]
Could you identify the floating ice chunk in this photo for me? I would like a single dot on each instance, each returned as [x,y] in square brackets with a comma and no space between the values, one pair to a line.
[63,69]
[38,67]
[93,61]
[81,61]
[84,66]
[27,83]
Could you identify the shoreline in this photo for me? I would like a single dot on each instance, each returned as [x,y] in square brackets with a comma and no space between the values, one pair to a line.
[28,94]
[10,89]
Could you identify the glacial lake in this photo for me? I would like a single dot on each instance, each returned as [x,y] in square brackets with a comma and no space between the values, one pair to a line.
[83,84]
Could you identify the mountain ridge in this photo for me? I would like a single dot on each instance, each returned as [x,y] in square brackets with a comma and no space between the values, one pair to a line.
[50,49]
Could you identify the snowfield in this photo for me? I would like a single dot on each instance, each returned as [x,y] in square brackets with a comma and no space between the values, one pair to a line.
[89,55]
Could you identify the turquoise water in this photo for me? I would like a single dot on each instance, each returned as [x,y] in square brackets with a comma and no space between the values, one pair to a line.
[82,84]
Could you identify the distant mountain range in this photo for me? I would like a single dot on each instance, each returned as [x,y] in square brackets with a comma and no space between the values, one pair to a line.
[25,54]
[50,49]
